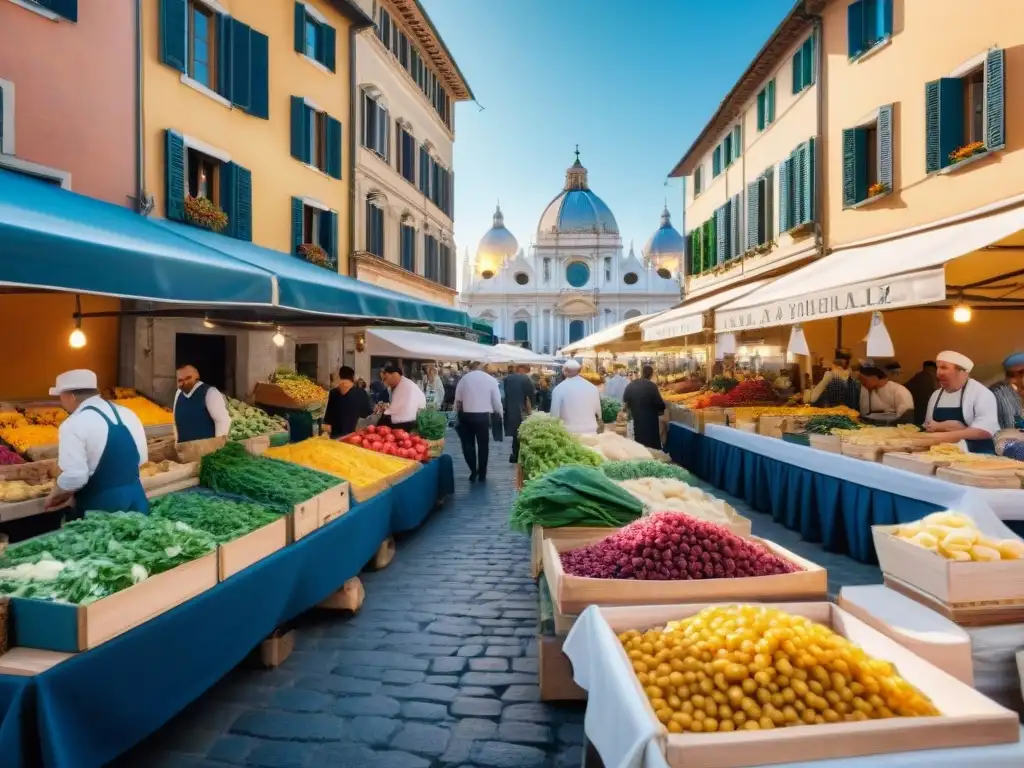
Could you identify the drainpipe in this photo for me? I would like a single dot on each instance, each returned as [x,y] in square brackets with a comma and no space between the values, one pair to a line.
[819,173]
[140,167]
[352,149]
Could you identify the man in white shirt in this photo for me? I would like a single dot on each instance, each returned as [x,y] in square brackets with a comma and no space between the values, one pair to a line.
[101,447]
[406,399]
[477,397]
[616,385]
[200,411]
[882,400]
[962,408]
[576,401]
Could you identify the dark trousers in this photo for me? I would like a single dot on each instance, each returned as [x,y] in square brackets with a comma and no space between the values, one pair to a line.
[515,450]
[475,435]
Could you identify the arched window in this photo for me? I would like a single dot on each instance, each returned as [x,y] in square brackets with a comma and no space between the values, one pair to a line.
[575,329]
[631,314]
[374,225]
[521,331]
[577,274]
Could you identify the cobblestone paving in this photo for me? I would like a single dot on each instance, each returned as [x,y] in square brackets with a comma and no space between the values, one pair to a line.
[439,668]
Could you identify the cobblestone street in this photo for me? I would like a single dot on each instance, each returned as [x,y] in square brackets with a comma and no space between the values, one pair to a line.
[439,668]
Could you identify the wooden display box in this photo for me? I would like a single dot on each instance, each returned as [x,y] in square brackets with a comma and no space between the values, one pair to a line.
[70,628]
[366,492]
[171,477]
[332,503]
[770,426]
[274,396]
[28,662]
[555,672]
[968,718]
[1009,479]
[862,452]
[258,445]
[32,472]
[239,554]
[194,450]
[572,594]
[974,593]
[827,443]
[908,462]
[304,519]
[570,536]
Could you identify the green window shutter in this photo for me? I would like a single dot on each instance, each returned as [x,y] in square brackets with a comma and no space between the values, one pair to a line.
[329,234]
[805,165]
[223,26]
[66,8]
[944,124]
[761,110]
[259,83]
[241,64]
[737,141]
[716,161]
[885,146]
[710,245]
[330,46]
[174,176]
[798,70]
[770,103]
[297,211]
[721,234]
[243,204]
[932,150]
[333,147]
[228,197]
[736,211]
[855,177]
[300,28]
[753,209]
[807,62]
[856,44]
[797,182]
[784,195]
[768,204]
[174,33]
[301,149]
[884,19]
[995,100]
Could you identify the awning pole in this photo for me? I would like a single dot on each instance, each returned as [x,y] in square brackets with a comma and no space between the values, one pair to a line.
[839,333]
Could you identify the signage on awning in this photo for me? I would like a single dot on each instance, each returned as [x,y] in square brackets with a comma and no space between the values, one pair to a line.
[910,290]
[679,326]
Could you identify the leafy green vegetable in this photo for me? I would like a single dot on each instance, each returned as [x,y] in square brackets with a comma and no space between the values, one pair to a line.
[610,408]
[722,384]
[431,424]
[274,483]
[545,444]
[634,469]
[249,421]
[224,519]
[823,425]
[577,496]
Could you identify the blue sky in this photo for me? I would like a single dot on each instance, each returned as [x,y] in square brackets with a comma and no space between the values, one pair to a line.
[633,84]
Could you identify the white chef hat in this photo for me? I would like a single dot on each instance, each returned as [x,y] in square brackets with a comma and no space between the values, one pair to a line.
[571,364]
[956,359]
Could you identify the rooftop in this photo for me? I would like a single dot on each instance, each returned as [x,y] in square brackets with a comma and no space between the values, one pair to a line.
[414,17]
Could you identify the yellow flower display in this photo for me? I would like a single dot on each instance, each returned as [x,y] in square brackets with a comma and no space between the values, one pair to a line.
[149,413]
[21,438]
[362,468]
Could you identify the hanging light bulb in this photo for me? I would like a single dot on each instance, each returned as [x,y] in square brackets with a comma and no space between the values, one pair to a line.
[77,339]
[208,323]
[962,313]
[278,338]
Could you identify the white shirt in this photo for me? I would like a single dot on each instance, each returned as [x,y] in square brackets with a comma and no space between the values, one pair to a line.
[478,392]
[216,406]
[616,386]
[980,407]
[578,404]
[891,397]
[83,437]
[406,401]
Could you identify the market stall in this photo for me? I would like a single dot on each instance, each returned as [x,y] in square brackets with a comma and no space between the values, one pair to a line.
[403,344]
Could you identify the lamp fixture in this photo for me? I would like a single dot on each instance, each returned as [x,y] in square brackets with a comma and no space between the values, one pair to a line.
[77,339]
[962,313]
[278,338]
[208,323]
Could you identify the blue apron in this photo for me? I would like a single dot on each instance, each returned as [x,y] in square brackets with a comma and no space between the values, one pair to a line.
[115,485]
[191,418]
[957,414]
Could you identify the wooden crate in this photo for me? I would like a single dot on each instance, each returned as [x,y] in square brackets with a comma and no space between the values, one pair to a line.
[28,662]
[274,396]
[162,449]
[965,592]
[770,426]
[70,628]
[968,718]
[171,477]
[572,594]
[258,445]
[862,452]
[571,536]
[42,452]
[33,472]
[908,462]
[366,492]
[827,443]
[981,478]
[179,485]
[194,450]
[332,503]
[555,672]
[276,648]
[239,554]
[303,520]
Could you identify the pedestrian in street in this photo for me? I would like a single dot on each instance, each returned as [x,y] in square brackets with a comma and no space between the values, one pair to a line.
[576,401]
[433,387]
[406,399]
[544,394]
[476,399]
[519,401]
[616,386]
[645,404]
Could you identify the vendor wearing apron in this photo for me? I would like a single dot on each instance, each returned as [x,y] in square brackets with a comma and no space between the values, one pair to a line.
[100,449]
[200,411]
[962,408]
[884,402]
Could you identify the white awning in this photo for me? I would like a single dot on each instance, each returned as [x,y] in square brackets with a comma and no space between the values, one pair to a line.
[688,318]
[510,353]
[903,272]
[609,335]
[425,346]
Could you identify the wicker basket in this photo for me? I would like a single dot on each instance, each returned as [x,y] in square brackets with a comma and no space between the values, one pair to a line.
[435,448]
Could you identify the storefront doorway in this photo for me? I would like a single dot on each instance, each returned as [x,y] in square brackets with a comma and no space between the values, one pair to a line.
[212,354]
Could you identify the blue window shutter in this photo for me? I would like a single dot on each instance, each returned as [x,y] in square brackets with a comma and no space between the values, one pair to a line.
[301,150]
[932,150]
[807,62]
[885,159]
[798,70]
[174,33]
[66,8]
[737,141]
[856,43]
[716,161]
[297,222]
[243,204]
[944,126]
[770,103]
[175,189]
[761,110]
[995,100]
[753,209]
[300,27]
[333,147]
[737,223]
[223,28]
[330,46]
[784,195]
[797,182]
[884,21]
[329,234]
[241,64]
[259,85]
[721,234]
[767,203]
[228,197]
[807,161]
[850,166]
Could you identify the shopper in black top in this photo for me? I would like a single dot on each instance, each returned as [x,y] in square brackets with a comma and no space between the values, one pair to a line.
[346,405]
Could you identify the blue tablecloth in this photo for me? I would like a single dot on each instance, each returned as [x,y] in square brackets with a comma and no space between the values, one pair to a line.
[416,496]
[831,511]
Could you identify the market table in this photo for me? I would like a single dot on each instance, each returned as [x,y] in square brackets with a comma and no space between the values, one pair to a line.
[416,495]
[829,498]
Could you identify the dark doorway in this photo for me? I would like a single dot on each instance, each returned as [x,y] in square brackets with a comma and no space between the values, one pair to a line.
[307,360]
[208,353]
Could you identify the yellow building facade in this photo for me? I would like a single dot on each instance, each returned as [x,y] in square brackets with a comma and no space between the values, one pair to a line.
[246,105]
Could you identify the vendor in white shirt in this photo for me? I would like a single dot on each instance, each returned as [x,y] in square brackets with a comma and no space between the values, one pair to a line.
[200,411]
[100,449]
[884,401]
[576,401]
[962,408]
[406,399]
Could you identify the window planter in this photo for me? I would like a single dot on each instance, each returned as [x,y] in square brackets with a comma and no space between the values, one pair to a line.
[884,42]
[957,166]
[203,212]
[868,200]
[314,254]
[801,230]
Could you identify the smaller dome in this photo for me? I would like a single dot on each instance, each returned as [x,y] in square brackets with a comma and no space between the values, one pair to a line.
[666,249]
[496,246]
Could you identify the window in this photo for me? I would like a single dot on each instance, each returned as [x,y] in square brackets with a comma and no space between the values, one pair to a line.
[406,155]
[307,360]
[384,28]
[522,278]
[413,61]
[314,37]
[436,182]
[760,201]
[66,8]
[203,175]
[202,45]
[868,159]
[316,137]
[868,24]
[447,265]
[766,106]
[431,265]
[698,180]
[425,164]
[521,331]
[607,269]
[194,173]
[727,150]
[965,115]
[374,228]
[737,142]
[408,255]
[376,127]
[577,274]
[716,161]
[796,187]
[547,270]
[631,278]
[575,331]
[803,66]
[310,225]
[315,233]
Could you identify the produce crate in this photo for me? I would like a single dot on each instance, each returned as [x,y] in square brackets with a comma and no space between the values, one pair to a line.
[796,438]
[366,492]
[33,472]
[968,593]
[303,519]
[770,426]
[275,397]
[162,449]
[908,462]
[159,430]
[1010,479]
[555,672]
[170,477]
[194,450]
[572,594]
[968,718]
[256,445]
[827,443]
[42,452]
[571,536]
[70,628]
[332,503]
[239,554]
[29,662]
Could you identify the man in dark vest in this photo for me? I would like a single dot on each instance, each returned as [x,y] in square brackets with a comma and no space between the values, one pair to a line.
[200,411]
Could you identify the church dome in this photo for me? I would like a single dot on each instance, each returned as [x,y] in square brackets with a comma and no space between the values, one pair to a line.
[496,246]
[577,210]
[666,248]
